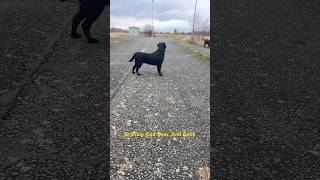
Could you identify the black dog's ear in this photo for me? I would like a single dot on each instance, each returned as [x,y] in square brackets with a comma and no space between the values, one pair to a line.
[158,44]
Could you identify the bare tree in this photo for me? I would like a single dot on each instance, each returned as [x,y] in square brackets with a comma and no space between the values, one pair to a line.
[201,26]
[148,30]
[204,27]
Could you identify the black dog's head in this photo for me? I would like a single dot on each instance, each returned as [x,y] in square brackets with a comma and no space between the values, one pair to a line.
[162,46]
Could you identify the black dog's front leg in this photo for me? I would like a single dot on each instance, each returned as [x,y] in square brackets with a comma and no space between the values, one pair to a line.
[159,69]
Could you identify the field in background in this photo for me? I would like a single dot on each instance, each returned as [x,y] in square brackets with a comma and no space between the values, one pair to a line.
[184,41]
[185,38]
[195,48]
[118,36]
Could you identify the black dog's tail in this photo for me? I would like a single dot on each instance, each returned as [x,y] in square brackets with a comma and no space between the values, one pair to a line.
[133,57]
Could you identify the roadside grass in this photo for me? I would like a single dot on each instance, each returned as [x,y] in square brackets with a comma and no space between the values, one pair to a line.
[312,2]
[184,38]
[184,42]
[194,52]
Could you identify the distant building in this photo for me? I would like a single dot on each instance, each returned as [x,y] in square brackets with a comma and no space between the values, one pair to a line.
[115,30]
[134,31]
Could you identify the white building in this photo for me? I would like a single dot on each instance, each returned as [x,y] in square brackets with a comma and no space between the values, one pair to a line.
[134,31]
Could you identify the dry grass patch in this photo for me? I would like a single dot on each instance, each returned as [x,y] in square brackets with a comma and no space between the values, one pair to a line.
[195,52]
[312,2]
[118,37]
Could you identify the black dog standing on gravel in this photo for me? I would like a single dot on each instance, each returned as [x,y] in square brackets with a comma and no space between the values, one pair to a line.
[155,58]
[89,11]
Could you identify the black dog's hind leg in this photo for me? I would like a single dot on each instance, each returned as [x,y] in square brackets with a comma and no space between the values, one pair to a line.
[75,23]
[87,24]
[133,68]
[159,70]
[138,66]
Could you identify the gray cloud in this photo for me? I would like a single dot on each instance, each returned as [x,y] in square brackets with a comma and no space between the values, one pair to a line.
[168,14]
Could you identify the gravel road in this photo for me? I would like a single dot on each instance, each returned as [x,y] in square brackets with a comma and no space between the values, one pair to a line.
[175,102]
[265,83]
[28,30]
[56,126]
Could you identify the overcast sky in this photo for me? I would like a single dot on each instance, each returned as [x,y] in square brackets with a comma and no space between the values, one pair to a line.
[168,14]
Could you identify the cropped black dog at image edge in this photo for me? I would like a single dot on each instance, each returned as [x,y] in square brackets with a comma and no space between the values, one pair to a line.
[89,11]
[206,42]
[155,58]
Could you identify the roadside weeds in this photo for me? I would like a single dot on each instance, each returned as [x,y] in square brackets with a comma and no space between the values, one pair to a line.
[196,53]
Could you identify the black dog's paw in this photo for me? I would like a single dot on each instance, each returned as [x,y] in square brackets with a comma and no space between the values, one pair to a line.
[75,35]
[160,74]
[93,41]
[139,74]
[133,72]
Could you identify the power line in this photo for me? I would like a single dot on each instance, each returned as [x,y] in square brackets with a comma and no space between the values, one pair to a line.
[152,19]
[194,18]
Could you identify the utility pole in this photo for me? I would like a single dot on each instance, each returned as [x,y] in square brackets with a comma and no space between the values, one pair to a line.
[194,19]
[152,19]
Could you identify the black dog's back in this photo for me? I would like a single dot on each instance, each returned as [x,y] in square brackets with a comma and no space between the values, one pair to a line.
[155,58]
[148,58]
[94,5]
